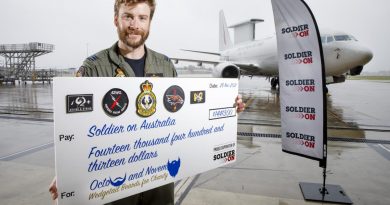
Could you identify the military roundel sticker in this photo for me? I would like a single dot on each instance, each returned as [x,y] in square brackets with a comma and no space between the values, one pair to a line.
[115,102]
[174,98]
[146,100]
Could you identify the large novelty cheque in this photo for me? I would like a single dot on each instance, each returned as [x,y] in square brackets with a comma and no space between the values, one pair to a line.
[115,137]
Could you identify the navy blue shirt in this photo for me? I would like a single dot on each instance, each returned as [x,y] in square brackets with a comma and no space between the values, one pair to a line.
[138,65]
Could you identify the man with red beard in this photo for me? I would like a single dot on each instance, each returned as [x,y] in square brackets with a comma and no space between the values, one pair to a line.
[129,57]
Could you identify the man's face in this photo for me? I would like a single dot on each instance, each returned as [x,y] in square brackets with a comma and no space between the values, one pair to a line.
[133,23]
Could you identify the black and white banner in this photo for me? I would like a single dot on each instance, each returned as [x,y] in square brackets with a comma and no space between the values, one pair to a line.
[301,80]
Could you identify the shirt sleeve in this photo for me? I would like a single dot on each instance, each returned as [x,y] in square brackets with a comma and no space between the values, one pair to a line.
[88,69]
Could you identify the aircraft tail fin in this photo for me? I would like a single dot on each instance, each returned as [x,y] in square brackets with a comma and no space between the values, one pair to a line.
[224,37]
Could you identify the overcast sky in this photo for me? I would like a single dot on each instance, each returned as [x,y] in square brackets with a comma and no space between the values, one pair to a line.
[82,27]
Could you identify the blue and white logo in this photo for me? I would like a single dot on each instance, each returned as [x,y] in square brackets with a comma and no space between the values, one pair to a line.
[173,167]
[118,181]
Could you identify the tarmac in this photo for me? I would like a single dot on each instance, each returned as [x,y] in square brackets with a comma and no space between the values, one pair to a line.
[358,150]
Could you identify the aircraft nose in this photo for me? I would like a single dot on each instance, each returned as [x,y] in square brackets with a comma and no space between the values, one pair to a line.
[365,55]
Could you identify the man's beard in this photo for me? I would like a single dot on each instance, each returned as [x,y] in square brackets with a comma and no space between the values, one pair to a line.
[123,36]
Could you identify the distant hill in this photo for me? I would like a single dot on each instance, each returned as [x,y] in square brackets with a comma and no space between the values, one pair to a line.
[379,73]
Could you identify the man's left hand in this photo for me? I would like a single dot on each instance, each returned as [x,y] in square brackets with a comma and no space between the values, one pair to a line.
[239,104]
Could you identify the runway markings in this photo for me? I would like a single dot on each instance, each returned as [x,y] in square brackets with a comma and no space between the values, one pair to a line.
[26,118]
[382,150]
[383,147]
[183,187]
[335,139]
[26,152]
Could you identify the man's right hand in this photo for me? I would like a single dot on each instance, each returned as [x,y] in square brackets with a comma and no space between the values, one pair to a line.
[53,189]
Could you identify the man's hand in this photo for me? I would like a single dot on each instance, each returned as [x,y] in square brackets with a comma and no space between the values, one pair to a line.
[239,104]
[53,189]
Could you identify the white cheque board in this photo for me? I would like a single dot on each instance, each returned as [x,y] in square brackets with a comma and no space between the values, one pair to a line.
[115,137]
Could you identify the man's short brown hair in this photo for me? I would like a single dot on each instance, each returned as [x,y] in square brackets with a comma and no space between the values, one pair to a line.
[151,3]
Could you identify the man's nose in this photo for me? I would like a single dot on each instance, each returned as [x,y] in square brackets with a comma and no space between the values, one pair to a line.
[134,23]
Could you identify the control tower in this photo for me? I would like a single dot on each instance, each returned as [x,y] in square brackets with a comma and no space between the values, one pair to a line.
[20,60]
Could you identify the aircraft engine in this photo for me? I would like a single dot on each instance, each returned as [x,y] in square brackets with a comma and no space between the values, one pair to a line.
[356,71]
[335,79]
[226,70]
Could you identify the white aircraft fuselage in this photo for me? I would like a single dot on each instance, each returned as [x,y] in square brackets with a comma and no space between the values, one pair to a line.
[340,56]
[342,53]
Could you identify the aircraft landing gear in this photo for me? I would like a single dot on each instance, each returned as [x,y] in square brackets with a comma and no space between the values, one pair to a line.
[274,82]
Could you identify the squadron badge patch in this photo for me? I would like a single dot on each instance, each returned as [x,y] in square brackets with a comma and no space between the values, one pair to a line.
[146,100]
[115,102]
[79,103]
[198,97]
[174,98]
[119,73]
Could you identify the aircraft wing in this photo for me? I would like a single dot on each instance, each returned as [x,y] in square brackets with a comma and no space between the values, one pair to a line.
[198,61]
[249,69]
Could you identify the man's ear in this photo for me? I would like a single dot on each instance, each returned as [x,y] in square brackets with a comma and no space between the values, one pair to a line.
[116,20]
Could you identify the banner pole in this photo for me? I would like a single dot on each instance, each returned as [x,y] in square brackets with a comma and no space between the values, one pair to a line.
[323,189]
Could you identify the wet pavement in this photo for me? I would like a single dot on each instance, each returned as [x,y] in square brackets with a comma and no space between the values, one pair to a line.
[262,174]
[31,101]
[354,107]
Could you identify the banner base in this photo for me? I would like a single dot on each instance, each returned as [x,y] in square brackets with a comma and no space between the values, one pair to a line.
[333,193]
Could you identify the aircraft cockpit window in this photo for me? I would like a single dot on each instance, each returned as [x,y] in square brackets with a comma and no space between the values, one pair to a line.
[344,38]
[329,39]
